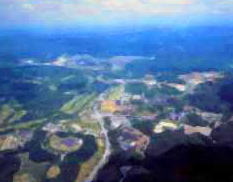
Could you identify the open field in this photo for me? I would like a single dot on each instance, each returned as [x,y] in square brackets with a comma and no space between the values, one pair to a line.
[78,103]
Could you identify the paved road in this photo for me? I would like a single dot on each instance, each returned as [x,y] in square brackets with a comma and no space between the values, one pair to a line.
[107,152]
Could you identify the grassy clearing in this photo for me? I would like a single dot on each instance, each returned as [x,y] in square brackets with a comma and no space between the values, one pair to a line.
[78,103]
[116,93]
[25,125]
[9,114]
[89,124]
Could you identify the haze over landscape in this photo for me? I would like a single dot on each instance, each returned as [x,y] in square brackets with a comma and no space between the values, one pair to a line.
[116,91]
[114,12]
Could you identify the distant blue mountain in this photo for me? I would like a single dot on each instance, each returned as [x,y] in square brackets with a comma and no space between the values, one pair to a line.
[204,46]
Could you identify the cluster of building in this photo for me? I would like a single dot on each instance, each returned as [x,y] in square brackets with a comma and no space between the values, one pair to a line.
[175,121]
[61,126]
[84,59]
[53,128]
[131,139]
[116,106]
[25,177]
[61,61]
[209,116]
[16,140]
[149,80]
[196,78]
[9,142]
[109,106]
[180,87]
[193,79]
[188,130]
[166,124]
[118,121]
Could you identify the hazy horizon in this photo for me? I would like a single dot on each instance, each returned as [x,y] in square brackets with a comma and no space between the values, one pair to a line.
[114,13]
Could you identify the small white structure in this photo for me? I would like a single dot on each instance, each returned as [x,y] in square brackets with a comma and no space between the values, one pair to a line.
[188,130]
[165,125]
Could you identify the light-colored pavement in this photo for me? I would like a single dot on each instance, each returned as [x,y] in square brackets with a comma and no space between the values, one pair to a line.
[107,152]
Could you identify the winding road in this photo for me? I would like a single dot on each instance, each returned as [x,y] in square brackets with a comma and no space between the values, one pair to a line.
[107,152]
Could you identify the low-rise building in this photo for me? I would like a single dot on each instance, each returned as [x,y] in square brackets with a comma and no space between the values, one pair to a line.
[132,139]
[137,97]
[9,142]
[76,127]
[24,177]
[61,61]
[149,80]
[196,78]
[188,130]
[166,124]
[179,87]
[176,116]
[109,106]
[149,116]
[53,128]
[15,141]
[209,116]
[117,121]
